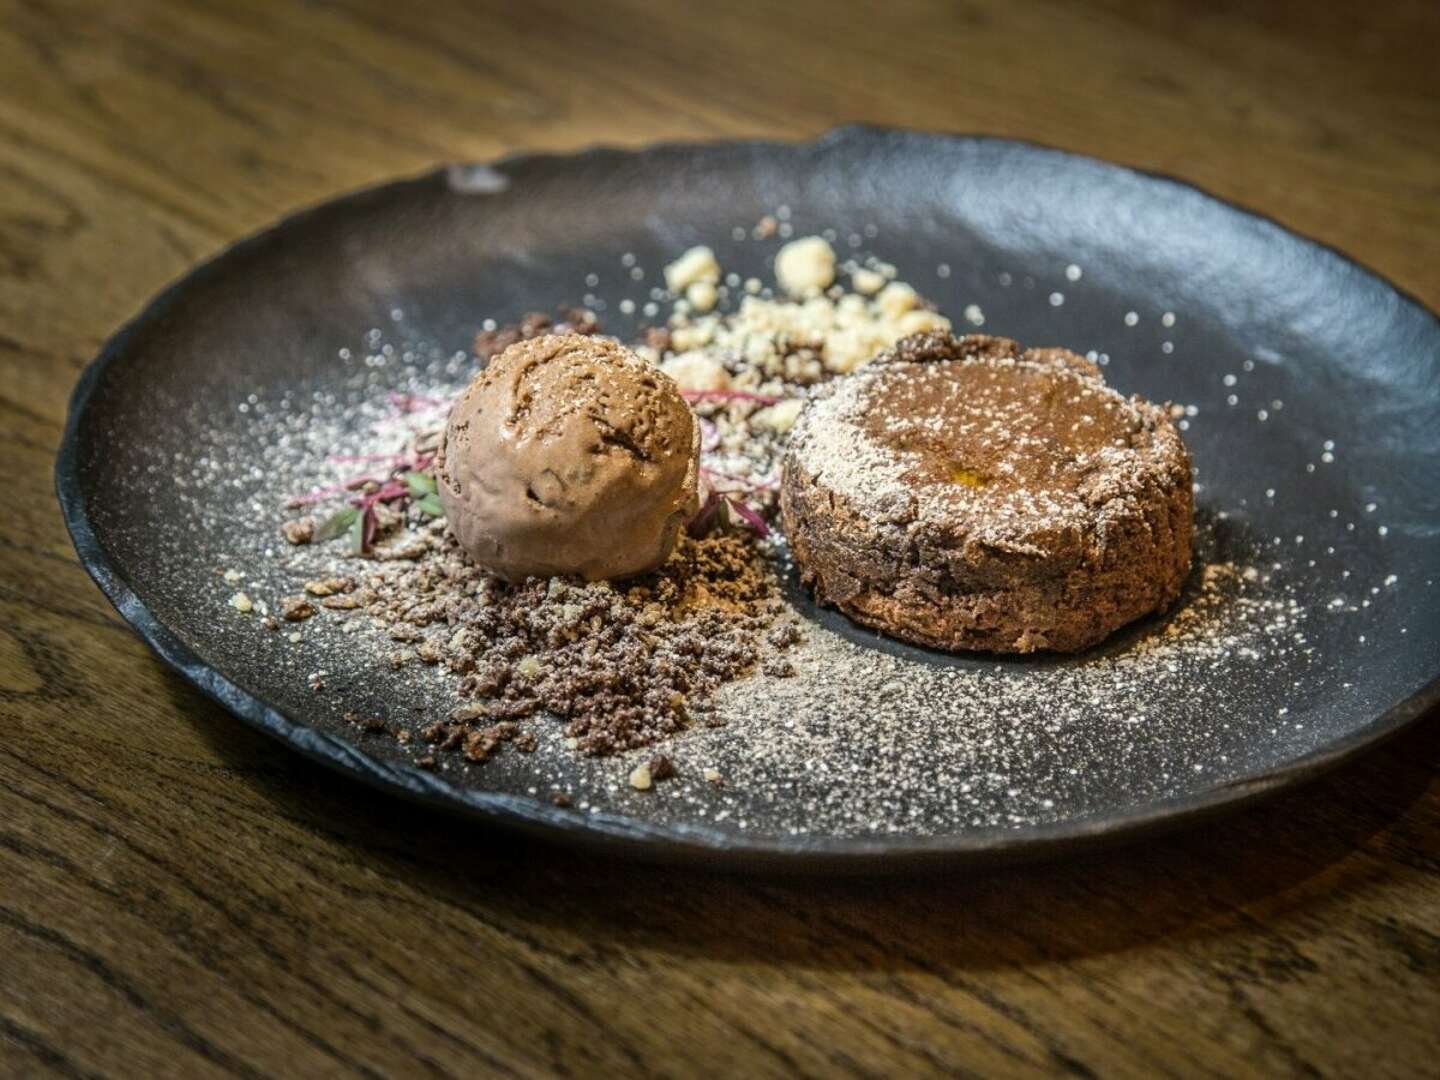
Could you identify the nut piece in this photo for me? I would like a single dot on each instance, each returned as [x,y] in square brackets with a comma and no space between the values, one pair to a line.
[296,608]
[329,586]
[866,281]
[702,295]
[806,266]
[897,298]
[299,531]
[640,778]
[697,264]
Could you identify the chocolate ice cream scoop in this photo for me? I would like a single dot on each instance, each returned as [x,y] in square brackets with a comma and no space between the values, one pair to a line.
[569,455]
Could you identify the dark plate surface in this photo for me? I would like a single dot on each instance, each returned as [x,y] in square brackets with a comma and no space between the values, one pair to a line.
[1315,427]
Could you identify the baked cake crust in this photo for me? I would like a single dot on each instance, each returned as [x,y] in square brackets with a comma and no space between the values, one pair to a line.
[963,493]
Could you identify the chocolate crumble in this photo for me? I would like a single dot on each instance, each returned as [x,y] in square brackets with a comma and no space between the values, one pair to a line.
[623,664]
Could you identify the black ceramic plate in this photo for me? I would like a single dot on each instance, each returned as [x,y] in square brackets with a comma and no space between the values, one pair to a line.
[1312,388]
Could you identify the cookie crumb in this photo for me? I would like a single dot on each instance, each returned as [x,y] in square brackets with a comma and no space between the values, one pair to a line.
[296,608]
[299,530]
[329,586]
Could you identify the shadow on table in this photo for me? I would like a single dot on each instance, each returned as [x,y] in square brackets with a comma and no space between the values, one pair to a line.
[1308,847]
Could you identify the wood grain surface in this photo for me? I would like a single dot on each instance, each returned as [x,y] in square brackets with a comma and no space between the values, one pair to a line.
[181,897]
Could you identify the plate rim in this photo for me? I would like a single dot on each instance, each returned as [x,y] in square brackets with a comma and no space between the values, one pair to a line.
[617,833]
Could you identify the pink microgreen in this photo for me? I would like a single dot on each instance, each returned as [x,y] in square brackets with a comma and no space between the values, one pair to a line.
[702,522]
[412,403]
[746,483]
[709,436]
[752,517]
[698,396]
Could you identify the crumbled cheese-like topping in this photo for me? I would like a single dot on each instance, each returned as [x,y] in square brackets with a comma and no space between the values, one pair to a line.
[701,295]
[866,281]
[697,372]
[779,417]
[697,264]
[806,266]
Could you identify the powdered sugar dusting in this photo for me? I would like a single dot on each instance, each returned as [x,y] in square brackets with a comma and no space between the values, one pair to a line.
[866,736]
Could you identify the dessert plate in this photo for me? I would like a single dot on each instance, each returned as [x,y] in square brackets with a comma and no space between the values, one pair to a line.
[1308,387]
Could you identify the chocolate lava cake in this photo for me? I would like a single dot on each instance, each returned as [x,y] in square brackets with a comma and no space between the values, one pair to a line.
[961,493]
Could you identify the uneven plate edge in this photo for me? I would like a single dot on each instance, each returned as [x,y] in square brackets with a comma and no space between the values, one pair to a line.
[693,844]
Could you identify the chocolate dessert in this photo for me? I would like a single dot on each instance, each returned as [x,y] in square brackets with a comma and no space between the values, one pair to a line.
[961,493]
[568,454]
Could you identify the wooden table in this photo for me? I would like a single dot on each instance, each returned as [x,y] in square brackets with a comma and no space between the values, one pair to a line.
[180,896]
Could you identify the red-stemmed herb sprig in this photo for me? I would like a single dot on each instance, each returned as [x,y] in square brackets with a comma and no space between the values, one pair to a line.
[725,494]
[406,477]
[697,397]
[413,403]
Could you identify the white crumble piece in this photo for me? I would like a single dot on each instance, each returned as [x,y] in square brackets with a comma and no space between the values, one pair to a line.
[233,576]
[1132,318]
[640,778]
[1073,272]
[701,295]
[295,638]
[688,336]
[779,417]
[696,371]
[242,603]
[867,282]
[973,315]
[753,285]
[896,299]
[711,775]
[806,266]
[697,264]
